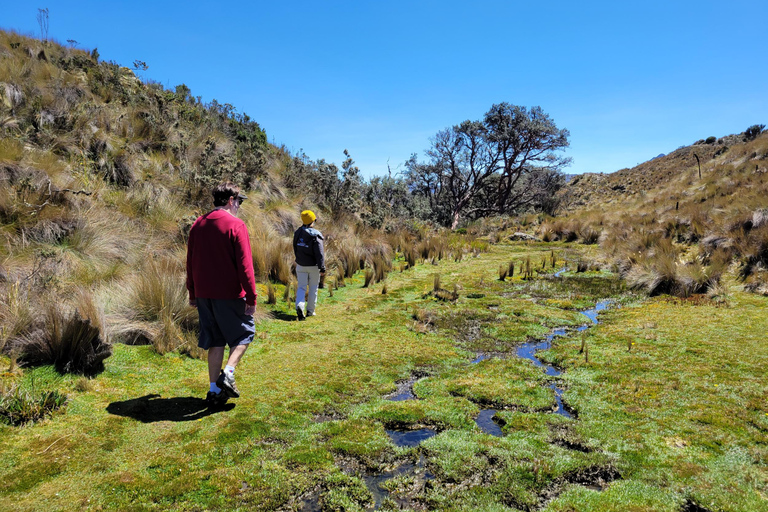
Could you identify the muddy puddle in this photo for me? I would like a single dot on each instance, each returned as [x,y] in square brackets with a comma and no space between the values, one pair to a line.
[410,438]
[487,424]
[378,484]
[404,391]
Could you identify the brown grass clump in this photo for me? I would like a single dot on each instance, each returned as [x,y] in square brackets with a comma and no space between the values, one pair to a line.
[381,266]
[71,338]
[424,321]
[158,293]
[659,271]
[271,297]
[409,253]
[369,275]
[503,272]
[527,270]
[15,313]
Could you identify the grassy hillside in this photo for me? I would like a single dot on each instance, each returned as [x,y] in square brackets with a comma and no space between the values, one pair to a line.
[669,226]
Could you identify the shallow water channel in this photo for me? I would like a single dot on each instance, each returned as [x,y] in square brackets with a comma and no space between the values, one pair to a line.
[528,351]
[376,483]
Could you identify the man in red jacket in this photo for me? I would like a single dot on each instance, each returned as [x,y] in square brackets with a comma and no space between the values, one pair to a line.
[222,287]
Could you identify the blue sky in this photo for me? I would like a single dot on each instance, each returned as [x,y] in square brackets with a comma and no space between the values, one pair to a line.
[629,80]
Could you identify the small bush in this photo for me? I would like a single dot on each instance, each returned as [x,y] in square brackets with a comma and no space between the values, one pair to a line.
[21,406]
[271,297]
[753,131]
[503,272]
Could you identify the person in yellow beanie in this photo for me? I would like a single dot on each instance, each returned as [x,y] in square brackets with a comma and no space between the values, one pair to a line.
[310,264]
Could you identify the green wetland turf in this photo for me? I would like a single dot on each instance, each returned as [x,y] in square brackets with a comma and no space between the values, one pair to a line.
[669,401]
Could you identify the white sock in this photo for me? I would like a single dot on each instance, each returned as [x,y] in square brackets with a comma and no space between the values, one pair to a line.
[215,388]
[230,370]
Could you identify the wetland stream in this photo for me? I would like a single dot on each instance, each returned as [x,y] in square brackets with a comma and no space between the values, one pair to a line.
[376,483]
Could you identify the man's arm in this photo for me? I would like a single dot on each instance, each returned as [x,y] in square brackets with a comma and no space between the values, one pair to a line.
[320,252]
[190,263]
[244,264]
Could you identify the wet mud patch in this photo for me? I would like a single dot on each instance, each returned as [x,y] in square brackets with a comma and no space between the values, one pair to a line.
[692,506]
[399,484]
[325,417]
[501,405]
[596,478]
[404,388]
[579,289]
[565,437]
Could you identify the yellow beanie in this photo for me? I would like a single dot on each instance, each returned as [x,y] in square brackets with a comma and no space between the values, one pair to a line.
[308,217]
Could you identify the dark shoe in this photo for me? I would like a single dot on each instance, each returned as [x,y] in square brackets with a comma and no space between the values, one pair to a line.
[310,313]
[216,399]
[227,384]
[300,314]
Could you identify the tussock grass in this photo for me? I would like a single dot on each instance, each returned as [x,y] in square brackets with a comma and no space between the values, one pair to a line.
[158,292]
[271,297]
[369,275]
[16,313]
[71,339]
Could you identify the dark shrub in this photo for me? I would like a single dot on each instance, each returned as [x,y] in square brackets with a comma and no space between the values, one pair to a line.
[753,131]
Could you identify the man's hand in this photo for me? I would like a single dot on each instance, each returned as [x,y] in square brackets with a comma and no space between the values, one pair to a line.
[250,309]
[193,303]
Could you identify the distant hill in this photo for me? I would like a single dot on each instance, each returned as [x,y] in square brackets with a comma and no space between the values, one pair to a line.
[676,223]
[662,173]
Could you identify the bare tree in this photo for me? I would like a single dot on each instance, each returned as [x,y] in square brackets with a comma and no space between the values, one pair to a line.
[504,163]
[42,20]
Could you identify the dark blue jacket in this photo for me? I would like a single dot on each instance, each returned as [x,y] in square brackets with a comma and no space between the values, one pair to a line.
[308,248]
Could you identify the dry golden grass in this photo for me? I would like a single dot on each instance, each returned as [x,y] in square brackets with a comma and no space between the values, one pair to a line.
[158,293]
[72,338]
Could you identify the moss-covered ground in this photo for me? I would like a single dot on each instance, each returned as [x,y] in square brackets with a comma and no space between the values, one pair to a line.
[669,401]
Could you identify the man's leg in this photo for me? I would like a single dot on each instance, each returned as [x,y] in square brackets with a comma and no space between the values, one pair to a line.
[215,358]
[314,282]
[234,355]
[226,380]
[302,278]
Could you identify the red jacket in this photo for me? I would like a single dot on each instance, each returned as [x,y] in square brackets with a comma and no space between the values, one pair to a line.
[219,261]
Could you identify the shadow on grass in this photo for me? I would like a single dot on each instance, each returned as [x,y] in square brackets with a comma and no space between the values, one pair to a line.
[285,317]
[151,408]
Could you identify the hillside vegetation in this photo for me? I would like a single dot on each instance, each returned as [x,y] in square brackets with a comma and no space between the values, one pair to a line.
[103,174]
[672,226]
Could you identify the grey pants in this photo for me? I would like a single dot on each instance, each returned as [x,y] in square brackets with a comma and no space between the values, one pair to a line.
[309,279]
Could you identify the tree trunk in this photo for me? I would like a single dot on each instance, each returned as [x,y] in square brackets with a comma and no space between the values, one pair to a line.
[455,220]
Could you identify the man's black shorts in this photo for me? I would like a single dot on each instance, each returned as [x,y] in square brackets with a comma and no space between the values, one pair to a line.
[224,322]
